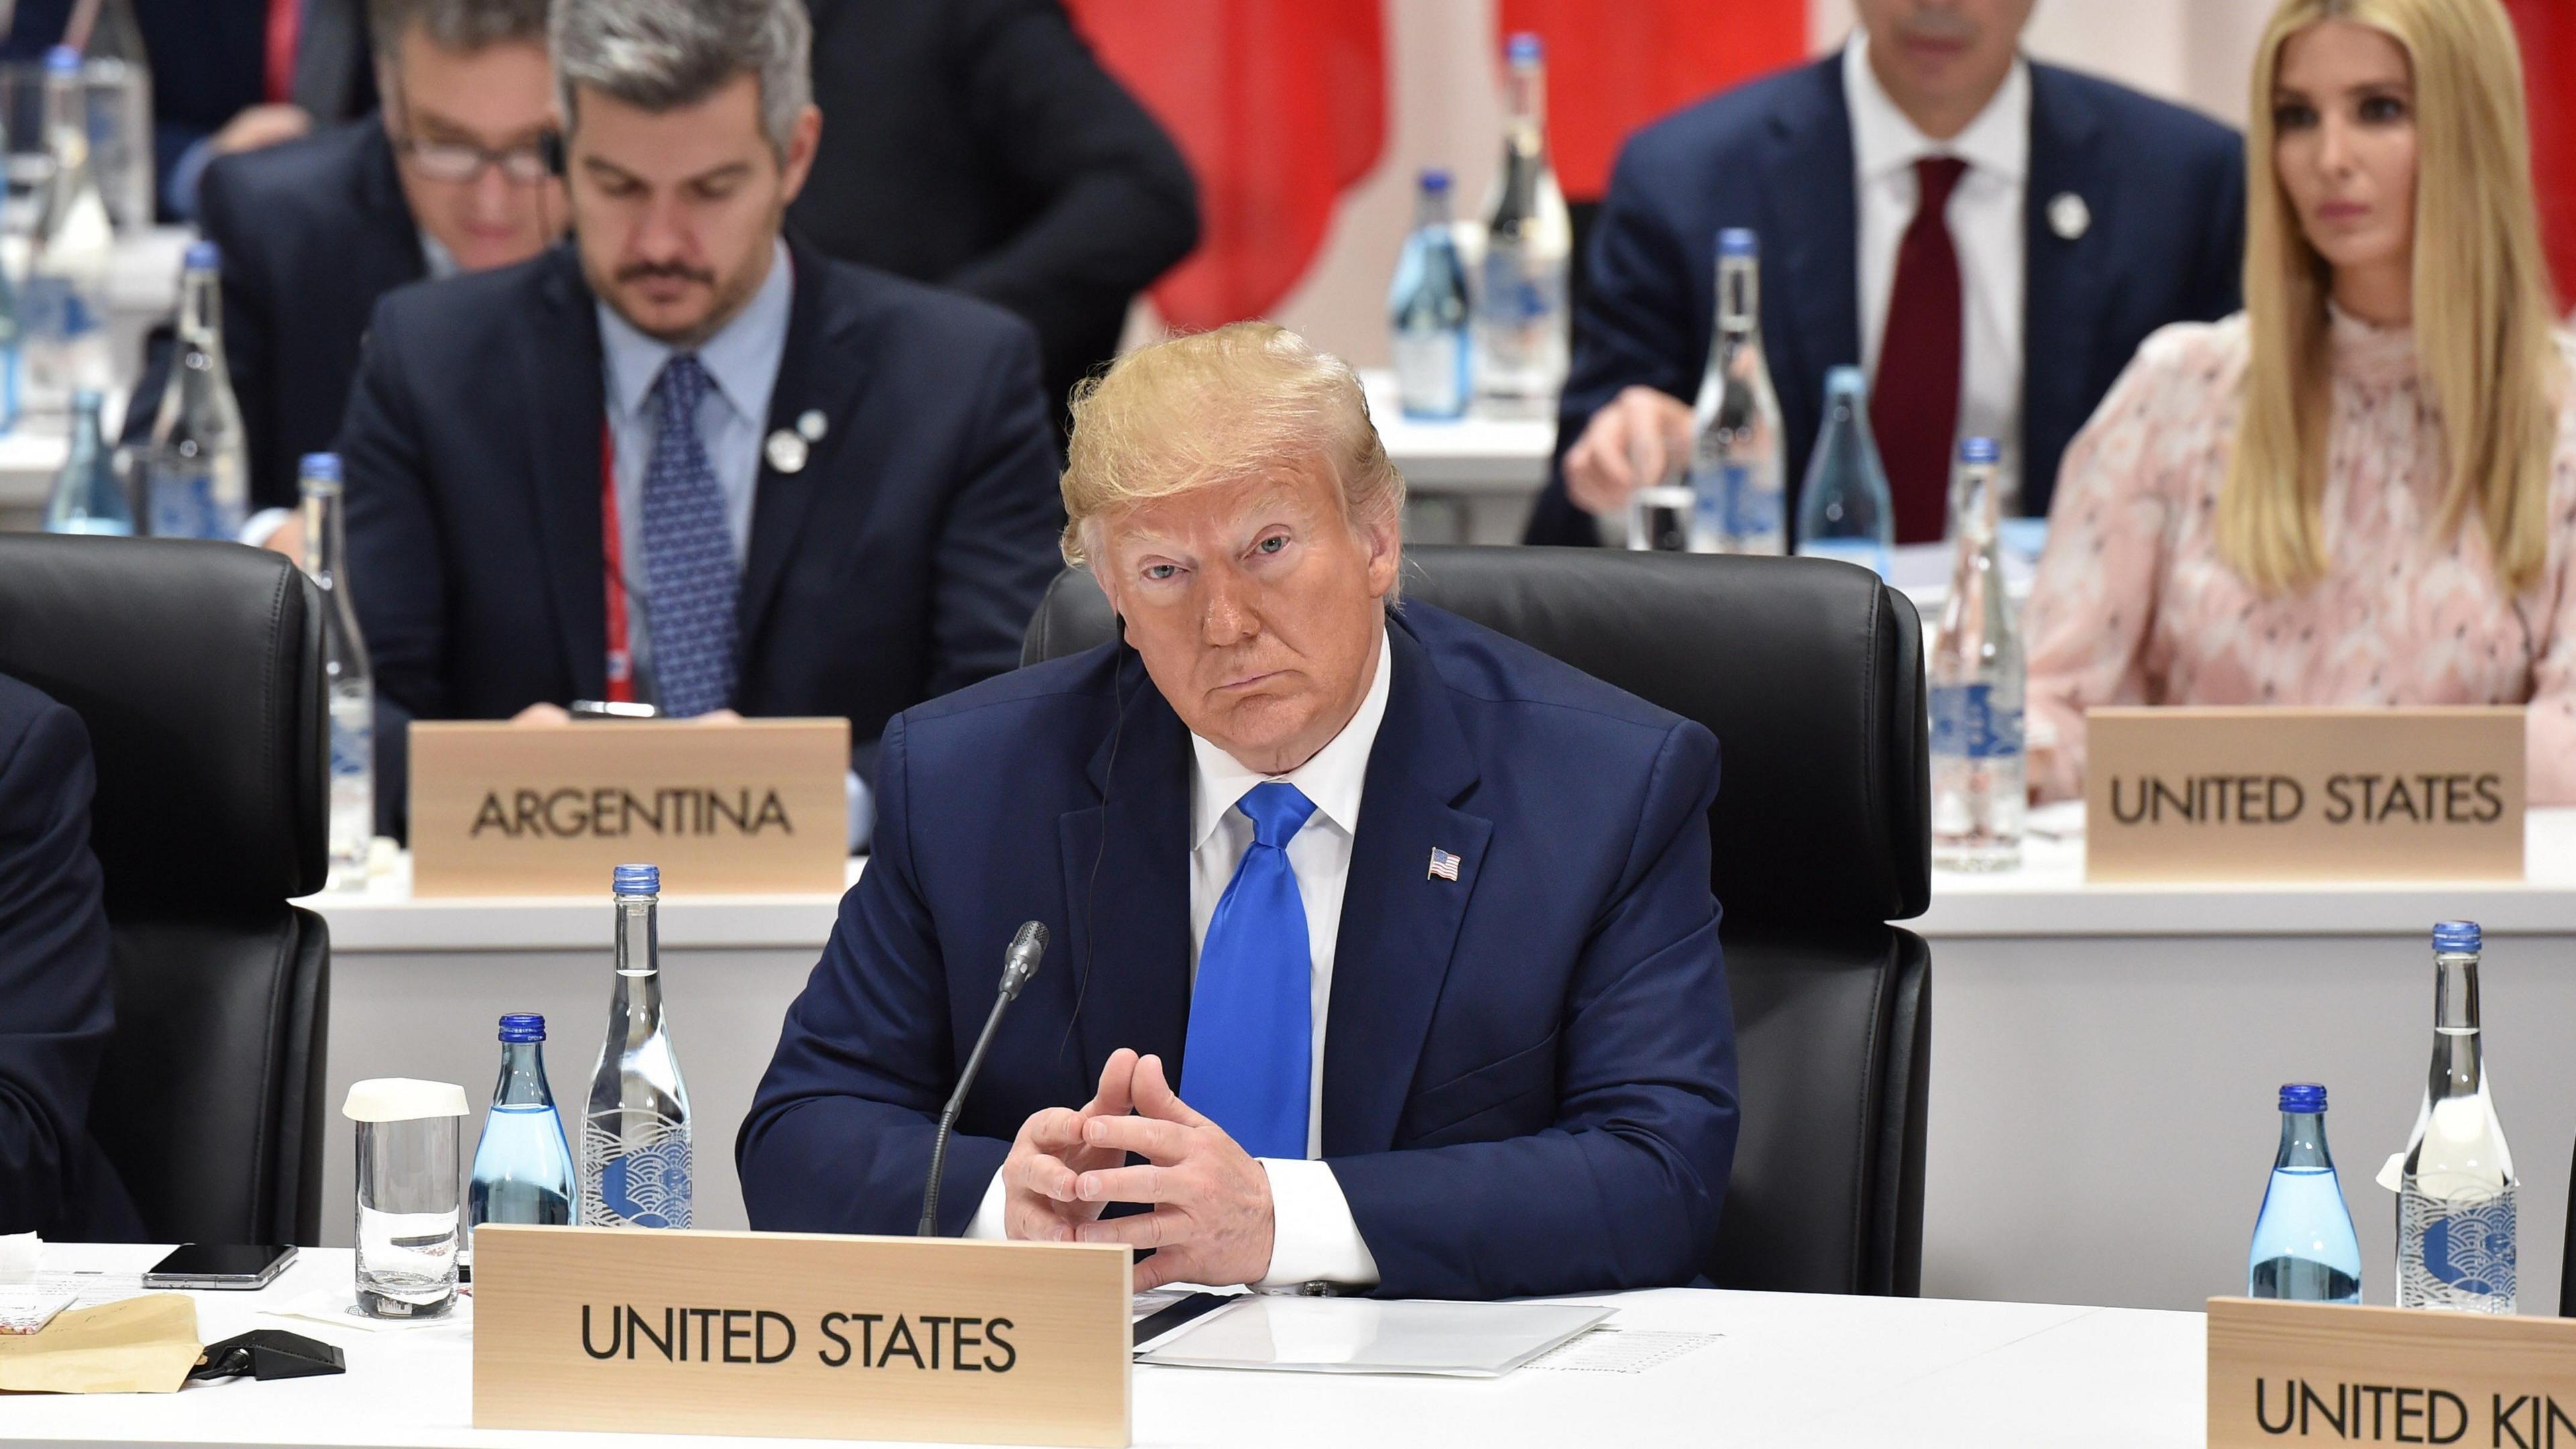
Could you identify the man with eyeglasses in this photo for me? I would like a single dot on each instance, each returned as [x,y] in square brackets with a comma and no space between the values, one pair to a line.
[450,176]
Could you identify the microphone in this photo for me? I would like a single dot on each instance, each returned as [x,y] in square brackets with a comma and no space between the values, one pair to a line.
[1028,947]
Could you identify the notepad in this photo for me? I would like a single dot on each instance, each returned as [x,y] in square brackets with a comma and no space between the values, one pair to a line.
[1367,1336]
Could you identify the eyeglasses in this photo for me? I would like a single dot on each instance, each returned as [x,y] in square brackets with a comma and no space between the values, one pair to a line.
[464,161]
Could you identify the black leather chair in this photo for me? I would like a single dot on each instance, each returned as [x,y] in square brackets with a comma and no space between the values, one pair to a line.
[198,670]
[1811,675]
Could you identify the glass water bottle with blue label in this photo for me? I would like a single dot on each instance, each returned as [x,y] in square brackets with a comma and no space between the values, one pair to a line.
[523,1169]
[349,679]
[2456,1233]
[1844,511]
[1978,771]
[636,1170]
[1738,471]
[1521,317]
[197,470]
[2304,1248]
[1427,312]
[88,495]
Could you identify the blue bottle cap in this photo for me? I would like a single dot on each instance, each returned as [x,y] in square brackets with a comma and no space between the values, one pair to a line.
[1979,450]
[1524,48]
[322,466]
[62,60]
[528,1026]
[1738,241]
[203,256]
[1435,181]
[2302,1097]
[2456,936]
[1845,381]
[86,400]
[638,880]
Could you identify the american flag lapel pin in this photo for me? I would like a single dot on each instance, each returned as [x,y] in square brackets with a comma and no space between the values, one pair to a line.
[1444,866]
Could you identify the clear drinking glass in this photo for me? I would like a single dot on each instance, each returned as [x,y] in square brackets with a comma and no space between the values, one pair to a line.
[410,1174]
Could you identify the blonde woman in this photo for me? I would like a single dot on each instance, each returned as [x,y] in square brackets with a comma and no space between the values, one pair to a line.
[2362,489]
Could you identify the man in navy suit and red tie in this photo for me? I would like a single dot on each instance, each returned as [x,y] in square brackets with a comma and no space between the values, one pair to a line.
[1378,992]
[1987,238]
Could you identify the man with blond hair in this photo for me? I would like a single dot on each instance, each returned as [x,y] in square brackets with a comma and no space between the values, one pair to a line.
[1384,948]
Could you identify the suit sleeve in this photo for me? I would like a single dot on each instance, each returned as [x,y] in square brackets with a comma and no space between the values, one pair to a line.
[55,1003]
[1117,203]
[2221,268]
[1623,1190]
[1634,329]
[248,305]
[394,554]
[838,1137]
[996,546]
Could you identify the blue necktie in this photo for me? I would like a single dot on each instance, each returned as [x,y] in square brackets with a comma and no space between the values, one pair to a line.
[1250,1057]
[688,554]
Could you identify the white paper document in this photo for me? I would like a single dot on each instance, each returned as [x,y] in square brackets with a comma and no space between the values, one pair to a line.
[1366,1336]
[1608,1350]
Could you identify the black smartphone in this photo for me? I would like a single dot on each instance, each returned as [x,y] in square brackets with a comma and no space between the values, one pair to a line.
[610,709]
[220,1265]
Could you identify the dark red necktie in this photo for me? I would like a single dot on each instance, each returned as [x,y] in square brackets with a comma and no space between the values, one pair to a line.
[285,32]
[1914,409]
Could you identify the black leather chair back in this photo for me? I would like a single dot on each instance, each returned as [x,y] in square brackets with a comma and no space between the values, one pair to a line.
[1810,674]
[197,668]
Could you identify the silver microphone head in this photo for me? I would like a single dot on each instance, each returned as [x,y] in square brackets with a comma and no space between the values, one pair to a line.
[1028,947]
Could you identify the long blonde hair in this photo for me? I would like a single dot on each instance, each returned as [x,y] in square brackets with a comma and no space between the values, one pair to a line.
[2483,308]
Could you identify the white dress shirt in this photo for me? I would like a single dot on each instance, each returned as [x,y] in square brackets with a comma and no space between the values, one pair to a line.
[1987,213]
[1314,1237]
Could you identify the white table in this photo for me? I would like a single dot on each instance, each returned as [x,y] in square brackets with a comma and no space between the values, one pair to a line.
[2105,1061]
[1788,1369]
[2104,1058]
[1470,481]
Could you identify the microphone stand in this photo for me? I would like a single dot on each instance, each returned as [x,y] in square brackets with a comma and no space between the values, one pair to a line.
[1022,963]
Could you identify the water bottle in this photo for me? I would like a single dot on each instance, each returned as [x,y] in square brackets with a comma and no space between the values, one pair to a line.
[1427,309]
[349,682]
[12,338]
[635,1164]
[1844,511]
[2455,1183]
[197,471]
[1521,308]
[1738,476]
[88,497]
[64,304]
[523,1166]
[2304,1248]
[1977,765]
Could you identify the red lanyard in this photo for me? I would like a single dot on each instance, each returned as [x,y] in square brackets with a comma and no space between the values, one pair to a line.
[621,662]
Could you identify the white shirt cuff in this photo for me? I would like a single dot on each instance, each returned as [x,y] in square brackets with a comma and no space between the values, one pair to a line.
[1313,1238]
[987,1222]
[263,526]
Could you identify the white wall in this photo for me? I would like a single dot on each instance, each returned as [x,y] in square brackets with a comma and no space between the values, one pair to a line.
[1444,111]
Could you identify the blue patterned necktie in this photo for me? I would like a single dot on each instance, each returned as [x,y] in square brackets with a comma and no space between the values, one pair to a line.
[688,554]
[1250,1054]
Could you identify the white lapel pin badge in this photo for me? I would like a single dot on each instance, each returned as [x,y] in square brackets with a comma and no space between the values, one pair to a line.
[810,425]
[2068,216]
[1444,866]
[786,452]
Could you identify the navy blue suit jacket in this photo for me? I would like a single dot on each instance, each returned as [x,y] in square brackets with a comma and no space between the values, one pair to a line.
[2165,187]
[314,233]
[1529,1074]
[903,561]
[56,1005]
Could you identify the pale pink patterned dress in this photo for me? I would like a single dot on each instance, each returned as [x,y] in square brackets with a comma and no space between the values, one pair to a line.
[2133,605]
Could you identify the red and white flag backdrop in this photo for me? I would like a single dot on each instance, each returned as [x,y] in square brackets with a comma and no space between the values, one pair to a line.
[2549,75]
[1281,105]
